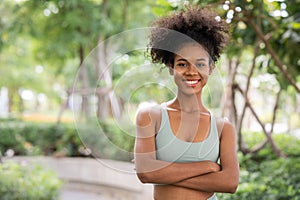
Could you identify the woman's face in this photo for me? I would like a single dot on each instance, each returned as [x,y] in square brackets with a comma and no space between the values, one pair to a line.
[191,68]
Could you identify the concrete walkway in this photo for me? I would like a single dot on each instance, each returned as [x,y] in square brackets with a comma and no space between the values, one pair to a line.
[79,195]
[91,179]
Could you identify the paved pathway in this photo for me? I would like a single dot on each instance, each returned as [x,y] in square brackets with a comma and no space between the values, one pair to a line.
[79,195]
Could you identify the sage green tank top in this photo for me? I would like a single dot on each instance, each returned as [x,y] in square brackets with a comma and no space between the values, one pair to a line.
[172,149]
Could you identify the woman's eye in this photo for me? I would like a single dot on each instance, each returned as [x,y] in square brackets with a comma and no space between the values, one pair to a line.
[182,64]
[200,65]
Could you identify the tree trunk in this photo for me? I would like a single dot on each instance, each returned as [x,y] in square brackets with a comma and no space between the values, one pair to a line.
[105,80]
[274,147]
[63,107]
[83,77]
[108,103]
[260,146]
[228,107]
[21,104]
[10,101]
[242,144]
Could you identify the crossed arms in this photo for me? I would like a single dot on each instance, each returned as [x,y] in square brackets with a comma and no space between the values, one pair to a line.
[204,176]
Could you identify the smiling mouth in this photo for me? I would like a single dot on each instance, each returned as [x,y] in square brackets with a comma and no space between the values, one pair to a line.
[192,83]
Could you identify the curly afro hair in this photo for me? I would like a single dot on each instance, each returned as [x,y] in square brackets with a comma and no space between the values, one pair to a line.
[195,24]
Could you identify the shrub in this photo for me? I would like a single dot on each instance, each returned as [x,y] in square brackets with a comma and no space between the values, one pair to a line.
[277,179]
[26,138]
[264,176]
[289,145]
[27,182]
[110,141]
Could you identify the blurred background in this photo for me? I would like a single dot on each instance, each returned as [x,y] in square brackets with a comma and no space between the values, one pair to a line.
[73,74]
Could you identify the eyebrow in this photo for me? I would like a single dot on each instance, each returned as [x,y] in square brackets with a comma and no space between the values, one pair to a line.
[182,59]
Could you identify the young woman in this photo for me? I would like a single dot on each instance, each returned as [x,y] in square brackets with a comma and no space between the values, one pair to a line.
[181,148]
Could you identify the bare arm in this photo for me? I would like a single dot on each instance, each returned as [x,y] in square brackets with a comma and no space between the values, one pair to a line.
[151,170]
[225,180]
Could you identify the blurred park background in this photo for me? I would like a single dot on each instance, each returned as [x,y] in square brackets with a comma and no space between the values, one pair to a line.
[61,97]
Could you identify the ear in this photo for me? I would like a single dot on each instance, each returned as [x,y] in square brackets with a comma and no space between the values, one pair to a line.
[211,68]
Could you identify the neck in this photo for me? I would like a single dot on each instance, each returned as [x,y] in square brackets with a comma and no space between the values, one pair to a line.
[189,103]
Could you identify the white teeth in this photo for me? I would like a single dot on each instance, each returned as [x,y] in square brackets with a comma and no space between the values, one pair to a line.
[191,82]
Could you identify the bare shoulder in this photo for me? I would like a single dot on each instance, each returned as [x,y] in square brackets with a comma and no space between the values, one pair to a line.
[225,127]
[148,115]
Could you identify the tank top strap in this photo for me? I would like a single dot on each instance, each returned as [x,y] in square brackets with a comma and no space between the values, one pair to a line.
[164,116]
[214,128]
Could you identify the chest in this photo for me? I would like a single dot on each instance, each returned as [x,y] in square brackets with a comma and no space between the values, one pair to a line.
[190,127]
[173,145]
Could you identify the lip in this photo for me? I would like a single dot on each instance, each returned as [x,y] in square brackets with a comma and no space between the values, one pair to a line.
[191,82]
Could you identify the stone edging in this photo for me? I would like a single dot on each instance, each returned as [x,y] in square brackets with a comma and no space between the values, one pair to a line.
[95,175]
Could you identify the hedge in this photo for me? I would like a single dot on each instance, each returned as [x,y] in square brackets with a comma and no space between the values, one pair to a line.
[262,176]
[28,182]
[277,179]
[27,138]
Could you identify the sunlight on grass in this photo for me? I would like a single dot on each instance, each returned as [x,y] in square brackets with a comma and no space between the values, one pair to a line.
[44,117]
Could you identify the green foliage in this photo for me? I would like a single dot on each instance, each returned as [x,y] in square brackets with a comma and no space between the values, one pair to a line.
[27,182]
[272,179]
[58,35]
[71,29]
[111,140]
[277,20]
[263,176]
[39,139]
[290,145]
[117,135]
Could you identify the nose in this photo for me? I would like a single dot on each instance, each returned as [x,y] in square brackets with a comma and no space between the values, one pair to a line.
[192,69]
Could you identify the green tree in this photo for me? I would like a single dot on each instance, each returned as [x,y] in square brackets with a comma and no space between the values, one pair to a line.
[18,68]
[65,32]
[270,29]
[265,40]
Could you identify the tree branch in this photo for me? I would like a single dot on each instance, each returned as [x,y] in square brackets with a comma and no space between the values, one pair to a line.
[262,144]
[273,54]
[249,18]
[241,143]
[276,150]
